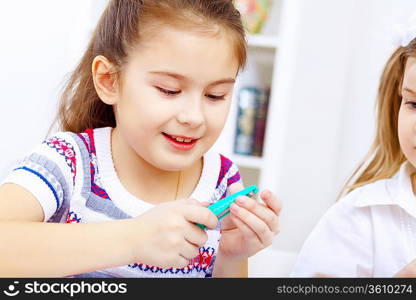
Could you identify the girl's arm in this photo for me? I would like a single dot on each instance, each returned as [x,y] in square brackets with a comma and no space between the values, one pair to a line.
[229,267]
[409,271]
[31,248]
[34,249]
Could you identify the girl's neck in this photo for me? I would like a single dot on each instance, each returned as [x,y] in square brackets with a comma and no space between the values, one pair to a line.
[147,182]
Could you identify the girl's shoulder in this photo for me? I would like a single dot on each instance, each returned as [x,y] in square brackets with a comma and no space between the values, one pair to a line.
[355,207]
[80,141]
[63,139]
[62,154]
[72,144]
[219,172]
[51,171]
[228,169]
[68,147]
[376,193]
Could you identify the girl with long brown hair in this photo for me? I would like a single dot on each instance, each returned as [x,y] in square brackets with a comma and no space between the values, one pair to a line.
[370,231]
[132,170]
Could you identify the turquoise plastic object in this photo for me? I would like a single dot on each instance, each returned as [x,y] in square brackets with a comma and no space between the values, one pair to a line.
[222,208]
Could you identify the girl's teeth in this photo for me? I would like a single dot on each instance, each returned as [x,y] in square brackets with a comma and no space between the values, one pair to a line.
[181,140]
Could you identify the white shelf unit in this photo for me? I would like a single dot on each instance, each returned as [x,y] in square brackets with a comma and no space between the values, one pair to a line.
[320,116]
[270,64]
[248,161]
[259,73]
[262,41]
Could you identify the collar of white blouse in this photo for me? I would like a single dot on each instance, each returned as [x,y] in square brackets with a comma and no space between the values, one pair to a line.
[394,191]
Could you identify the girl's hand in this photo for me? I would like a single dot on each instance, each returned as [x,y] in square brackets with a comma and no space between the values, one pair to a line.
[251,225]
[409,271]
[166,236]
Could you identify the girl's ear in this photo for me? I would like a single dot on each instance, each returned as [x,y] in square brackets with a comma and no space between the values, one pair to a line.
[104,80]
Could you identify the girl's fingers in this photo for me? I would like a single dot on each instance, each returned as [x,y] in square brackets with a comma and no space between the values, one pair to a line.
[234,188]
[194,202]
[268,212]
[189,251]
[408,271]
[198,214]
[267,196]
[196,235]
[261,211]
[182,262]
[258,226]
[247,232]
[271,201]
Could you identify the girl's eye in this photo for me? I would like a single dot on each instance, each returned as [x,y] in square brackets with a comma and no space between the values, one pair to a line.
[412,104]
[168,92]
[173,93]
[214,97]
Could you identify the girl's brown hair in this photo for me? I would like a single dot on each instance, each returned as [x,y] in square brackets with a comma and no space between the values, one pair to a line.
[120,28]
[385,156]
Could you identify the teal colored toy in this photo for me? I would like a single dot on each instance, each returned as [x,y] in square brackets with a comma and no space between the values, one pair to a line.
[222,208]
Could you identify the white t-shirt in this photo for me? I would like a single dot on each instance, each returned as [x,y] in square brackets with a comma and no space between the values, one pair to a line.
[371,232]
[72,175]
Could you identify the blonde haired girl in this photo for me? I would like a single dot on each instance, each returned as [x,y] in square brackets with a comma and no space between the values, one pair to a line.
[371,231]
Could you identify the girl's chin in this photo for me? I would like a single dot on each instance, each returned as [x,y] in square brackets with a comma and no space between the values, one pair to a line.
[181,165]
[172,161]
[175,164]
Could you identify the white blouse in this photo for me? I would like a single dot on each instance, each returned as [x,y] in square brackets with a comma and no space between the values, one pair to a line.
[371,232]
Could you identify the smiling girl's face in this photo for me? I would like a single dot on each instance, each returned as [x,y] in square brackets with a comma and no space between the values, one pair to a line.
[175,96]
[407,113]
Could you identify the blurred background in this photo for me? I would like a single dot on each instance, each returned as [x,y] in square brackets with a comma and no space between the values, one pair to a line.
[303,112]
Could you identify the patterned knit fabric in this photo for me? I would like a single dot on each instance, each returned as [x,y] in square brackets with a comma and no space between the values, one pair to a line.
[73,178]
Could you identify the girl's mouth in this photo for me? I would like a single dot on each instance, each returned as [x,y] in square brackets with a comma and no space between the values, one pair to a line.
[181,142]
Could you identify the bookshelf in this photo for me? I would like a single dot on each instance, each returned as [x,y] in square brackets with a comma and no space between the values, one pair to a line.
[258,73]
[271,63]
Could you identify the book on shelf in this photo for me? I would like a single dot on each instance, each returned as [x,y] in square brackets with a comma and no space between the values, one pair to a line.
[251,121]
[260,123]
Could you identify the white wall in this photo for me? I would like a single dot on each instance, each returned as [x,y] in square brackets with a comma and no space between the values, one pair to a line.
[41,41]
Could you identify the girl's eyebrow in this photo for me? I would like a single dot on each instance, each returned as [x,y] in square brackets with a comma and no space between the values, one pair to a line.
[183,78]
[406,89]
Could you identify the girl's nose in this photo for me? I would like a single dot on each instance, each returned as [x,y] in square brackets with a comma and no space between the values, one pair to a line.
[191,114]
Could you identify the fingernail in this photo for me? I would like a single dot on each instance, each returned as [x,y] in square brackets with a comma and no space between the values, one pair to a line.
[239,200]
[234,207]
